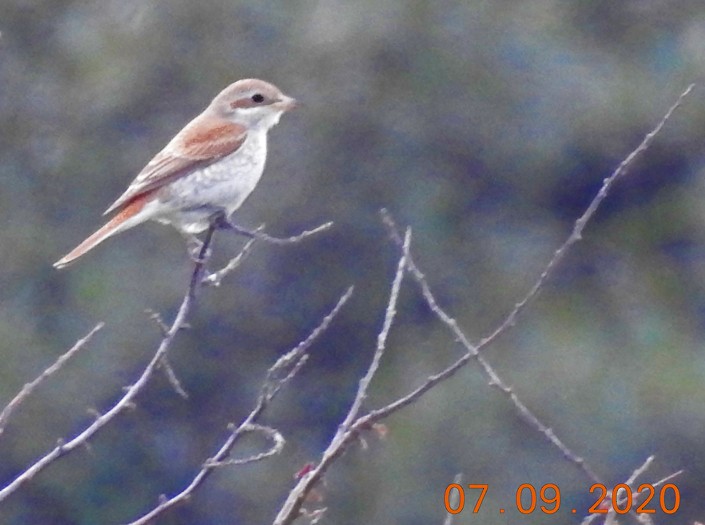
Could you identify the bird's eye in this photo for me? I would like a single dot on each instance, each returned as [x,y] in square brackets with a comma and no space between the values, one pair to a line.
[257,98]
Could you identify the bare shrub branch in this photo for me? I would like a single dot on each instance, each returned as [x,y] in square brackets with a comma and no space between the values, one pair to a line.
[353,425]
[471,352]
[577,233]
[127,400]
[28,388]
[215,278]
[260,235]
[285,368]
[612,517]
[381,338]
[350,428]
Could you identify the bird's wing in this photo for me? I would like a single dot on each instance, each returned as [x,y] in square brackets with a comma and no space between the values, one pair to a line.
[203,141]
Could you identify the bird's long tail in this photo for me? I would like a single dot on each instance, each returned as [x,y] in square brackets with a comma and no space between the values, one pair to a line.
[119,223]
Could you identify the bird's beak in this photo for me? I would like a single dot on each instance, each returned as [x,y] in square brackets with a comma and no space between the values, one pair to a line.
[288,103]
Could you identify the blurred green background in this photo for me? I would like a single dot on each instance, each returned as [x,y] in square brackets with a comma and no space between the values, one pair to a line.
[487,126]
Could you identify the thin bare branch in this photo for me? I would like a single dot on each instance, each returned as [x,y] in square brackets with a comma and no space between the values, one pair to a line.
[127,400]
[277,376]
[579,226]
[28,388]
[286,366]
[353,425]
[389,316]
[260,235]
[215,278]
[636,496]
[473,351]
[350,428]
[668,478]
[294,238]
[640,470]
[164,364]
[173,378]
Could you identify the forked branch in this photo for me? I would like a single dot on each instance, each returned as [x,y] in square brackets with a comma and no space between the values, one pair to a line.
[158,359]
[354,424]
[285,368]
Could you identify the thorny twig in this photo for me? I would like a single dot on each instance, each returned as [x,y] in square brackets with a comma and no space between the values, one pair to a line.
[215,278]
[260,235]
[473,351]
[577,233]
[277,376]
[347,432]
[127,400]
[158,360]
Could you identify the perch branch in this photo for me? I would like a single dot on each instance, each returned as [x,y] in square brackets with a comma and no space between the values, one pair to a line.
[127,400]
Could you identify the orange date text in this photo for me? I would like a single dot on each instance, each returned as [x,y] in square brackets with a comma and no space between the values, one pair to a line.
[646,499]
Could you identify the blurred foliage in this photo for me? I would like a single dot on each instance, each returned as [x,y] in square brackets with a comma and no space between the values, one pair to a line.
[485,125]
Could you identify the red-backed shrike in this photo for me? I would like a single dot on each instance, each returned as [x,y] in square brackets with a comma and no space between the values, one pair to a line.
[208,168]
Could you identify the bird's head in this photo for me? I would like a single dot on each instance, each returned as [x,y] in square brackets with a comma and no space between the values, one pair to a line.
[253,103]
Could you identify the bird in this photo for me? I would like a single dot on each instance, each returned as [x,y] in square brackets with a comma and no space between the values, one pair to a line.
[208,169]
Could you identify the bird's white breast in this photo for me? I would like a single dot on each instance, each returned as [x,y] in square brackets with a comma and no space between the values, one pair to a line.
[189,202]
